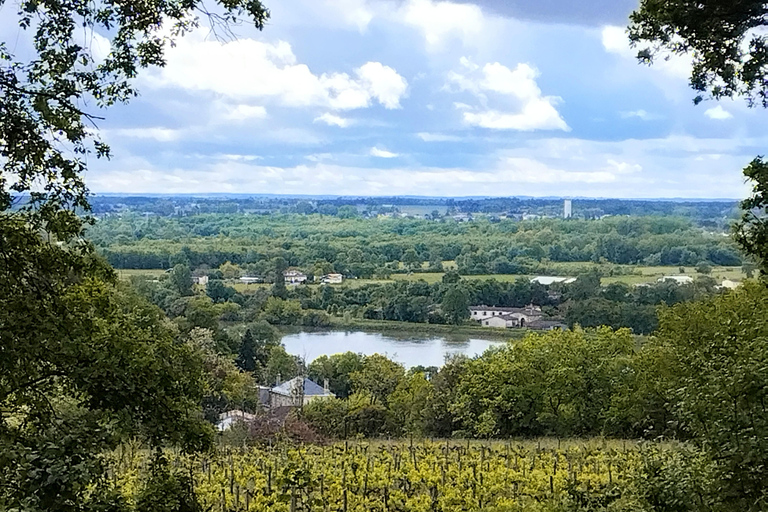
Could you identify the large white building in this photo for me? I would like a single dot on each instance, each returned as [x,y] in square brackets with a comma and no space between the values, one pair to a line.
[490,316]
[294,277]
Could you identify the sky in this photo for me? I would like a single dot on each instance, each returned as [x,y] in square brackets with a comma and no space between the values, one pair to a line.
[425,97]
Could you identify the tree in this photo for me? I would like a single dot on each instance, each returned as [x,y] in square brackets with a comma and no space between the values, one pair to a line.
[337,368]
[181,280]
[451,277]
[281,366]
[246,355]
[729,51]
[752,230]
[44,94]
[230,270]
[84,363]
[218,291]
[411,259]
[717,386]
[378,376]
[278,288]
[455,305]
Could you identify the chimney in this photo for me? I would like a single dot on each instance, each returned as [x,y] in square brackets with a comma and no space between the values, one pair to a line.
[326,389]
[277,380]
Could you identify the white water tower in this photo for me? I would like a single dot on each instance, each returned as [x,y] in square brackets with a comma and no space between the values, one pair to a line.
[567,209]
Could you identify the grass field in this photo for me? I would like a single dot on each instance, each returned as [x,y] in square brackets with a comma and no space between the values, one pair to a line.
[126,273]
[643,274]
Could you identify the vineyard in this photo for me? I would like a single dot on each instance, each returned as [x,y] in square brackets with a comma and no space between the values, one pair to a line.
[403,476]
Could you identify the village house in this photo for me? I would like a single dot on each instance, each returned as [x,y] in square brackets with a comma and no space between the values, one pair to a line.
[294,277]
[676,279]
[298,392]
[490,316]
[332,279]
[201,280]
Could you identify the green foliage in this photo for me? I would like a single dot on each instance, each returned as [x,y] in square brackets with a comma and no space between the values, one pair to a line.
[455,305]
[378,376]
[720,366]
[166,490]
[338,369]
[723,38]
[45,133]
[246,356]
[558,383]
[85,364]
[752,231]
[281,366]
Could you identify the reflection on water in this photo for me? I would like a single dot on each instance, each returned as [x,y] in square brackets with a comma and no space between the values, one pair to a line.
[410,350]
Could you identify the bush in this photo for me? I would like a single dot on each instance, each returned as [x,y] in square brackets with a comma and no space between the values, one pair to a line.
[166,490]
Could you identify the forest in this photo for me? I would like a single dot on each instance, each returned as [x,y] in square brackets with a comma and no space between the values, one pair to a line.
[364,247]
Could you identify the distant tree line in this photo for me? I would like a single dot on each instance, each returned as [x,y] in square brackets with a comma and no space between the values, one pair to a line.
[366,248]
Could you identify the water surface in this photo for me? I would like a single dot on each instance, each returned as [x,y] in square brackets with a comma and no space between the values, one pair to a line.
[408,349]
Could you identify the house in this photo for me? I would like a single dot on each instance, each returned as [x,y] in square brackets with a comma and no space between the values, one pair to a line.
[298,392]
[294,277]
[547,325]
[228,419]
[676,279]
[332,279]
[548,280]
[251,280]
[505,317]
[480,312]
[502,321]
[201,280]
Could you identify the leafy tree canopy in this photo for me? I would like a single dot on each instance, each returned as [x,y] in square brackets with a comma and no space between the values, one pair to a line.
[724,38]
[45,138]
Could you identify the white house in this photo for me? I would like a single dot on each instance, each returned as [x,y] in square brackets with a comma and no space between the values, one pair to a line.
[298,392]
[294,277]
[548,280]
[230,418]
[505,317]
[332,279]
[502,321]
[202,280]
[677,279]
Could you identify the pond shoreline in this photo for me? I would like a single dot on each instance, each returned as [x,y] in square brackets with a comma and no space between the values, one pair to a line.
[409,348]
[410,328]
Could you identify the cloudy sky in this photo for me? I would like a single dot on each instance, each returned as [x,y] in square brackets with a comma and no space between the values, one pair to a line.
[423,97]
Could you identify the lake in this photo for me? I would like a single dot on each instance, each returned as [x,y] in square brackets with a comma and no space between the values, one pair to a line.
[408,349]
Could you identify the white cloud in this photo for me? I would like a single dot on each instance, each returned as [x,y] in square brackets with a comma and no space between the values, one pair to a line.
[640,114]
[246,68]
[437,137]
[382,153]
[333,120]
[615,40]
[383,83]
[441,21]
[544,167]
[533,110]
[718,113]
[245,112]
[157,133]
